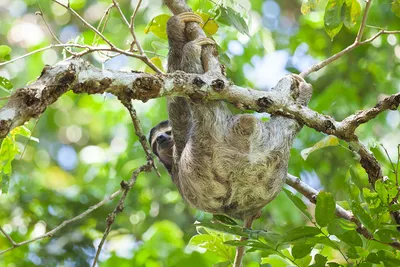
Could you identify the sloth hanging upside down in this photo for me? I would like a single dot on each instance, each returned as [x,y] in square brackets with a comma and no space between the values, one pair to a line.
[220,162]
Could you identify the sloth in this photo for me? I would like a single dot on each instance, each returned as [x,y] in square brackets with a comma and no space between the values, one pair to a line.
[220,162]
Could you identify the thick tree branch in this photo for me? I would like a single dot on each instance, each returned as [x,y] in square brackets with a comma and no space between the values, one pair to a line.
[75,74]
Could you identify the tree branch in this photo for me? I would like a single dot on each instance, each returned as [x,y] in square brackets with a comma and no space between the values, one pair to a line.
[357,42]
[77,75]
[125,187]
[64,223]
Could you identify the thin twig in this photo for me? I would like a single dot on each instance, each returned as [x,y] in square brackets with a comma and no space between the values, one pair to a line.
[86,23]
[126,187]
[40,13]
[397,166]
[240,250]
[142,137]
[8,237]
[143,55]
[364,21]
[390,160]
[65,223]
[43,49]
[132,24]
[105,17]
[357,42]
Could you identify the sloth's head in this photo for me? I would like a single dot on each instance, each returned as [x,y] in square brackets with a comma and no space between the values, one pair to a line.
[162,143]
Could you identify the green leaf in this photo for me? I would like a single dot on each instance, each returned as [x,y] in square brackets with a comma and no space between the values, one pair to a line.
[214,243]
[394,207]
[158,26]
[352,253]
[299,203]
[352,238]
[332,18]
[5,83]
[339,226]
[382,192]
[250,243]
[300,232]
[272,239]
[319,261]
[396,7]
[230,229]
[224,219]
[231,17]
[308,5]
[157,62]
[5,52]
[386,235]
[351,13]
[373,258]
[325,208]
[328,141]
[5,182]
[300,251]
[363,216]
[21,130]
[8,151]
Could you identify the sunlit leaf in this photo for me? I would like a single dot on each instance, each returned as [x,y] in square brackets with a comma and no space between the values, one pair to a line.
[299,203]
[21,130]
[396,7]
[158,26]
[210,27]
[325,208]
[77,4]
[308,5]
[8,151]
[5,52]
[332,18]
[351,13]
[212,243]
[328,141]
[231,17]
[5,83]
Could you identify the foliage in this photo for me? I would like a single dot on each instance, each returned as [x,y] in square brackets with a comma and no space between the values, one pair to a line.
[87,145]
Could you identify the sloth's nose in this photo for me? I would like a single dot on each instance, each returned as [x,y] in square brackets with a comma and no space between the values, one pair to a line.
[162,137]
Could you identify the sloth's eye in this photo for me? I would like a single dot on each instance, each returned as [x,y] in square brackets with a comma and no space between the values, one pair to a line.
[168,132]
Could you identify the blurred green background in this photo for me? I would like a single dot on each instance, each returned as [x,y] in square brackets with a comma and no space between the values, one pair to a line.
[87,144]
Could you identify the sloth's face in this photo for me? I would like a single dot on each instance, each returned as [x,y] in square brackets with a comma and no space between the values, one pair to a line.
[162,144]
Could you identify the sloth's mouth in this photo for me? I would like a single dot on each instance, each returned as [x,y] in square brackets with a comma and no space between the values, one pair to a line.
[167,143]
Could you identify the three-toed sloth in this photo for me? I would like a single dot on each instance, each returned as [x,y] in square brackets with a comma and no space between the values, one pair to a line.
[220,162]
